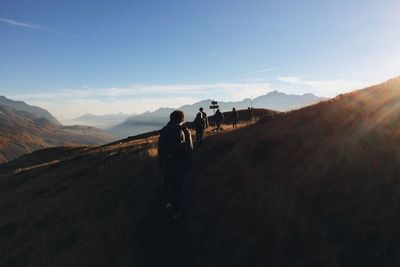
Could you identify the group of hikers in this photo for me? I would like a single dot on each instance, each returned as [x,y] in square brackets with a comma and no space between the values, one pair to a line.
[175,153]
[201,123]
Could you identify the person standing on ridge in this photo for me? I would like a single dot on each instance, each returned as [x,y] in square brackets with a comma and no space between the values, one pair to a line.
[199,126]
[219,119]
[175,148]
[235,117]
[204,116]
[250,114]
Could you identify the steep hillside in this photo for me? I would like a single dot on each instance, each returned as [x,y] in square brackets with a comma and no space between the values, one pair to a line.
[22,132]
[313,187]
[37,112]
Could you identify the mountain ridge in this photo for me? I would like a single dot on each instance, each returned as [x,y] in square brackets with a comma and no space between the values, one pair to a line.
[23,132]
[22,106]
[150,121]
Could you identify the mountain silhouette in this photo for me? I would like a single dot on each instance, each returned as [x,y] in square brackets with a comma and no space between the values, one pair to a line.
[316,186]
[150,121]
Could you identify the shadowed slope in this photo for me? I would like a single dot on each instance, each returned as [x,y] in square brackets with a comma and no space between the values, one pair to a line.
[314,187]
[82,206]
[82,209]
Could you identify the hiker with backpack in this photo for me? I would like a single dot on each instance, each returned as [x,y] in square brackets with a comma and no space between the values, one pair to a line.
[235,117]
[199,124]
[204,115]
[175,148]
[219,119]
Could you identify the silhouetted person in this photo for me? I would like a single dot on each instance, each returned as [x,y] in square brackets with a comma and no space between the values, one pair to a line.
[199,125]
[175,148]
[204,116]
[219,119]
[235,117]
[250,114]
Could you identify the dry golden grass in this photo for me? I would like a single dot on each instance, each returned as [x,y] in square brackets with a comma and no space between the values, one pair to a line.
[313,187]
[84,206]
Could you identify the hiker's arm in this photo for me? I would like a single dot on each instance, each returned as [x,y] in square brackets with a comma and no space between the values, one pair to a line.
[160,149]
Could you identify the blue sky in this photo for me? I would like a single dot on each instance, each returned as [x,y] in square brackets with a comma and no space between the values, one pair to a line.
[99,56]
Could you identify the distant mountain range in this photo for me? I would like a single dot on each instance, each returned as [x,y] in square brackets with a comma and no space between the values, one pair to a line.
[150,121]
[25,128]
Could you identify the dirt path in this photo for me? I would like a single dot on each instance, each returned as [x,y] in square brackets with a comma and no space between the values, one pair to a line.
[162,240]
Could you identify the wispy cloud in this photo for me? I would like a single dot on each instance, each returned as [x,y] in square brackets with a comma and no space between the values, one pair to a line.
[70,108]
[28,25]
[67,104]
[21,24]
[230,91]
[323,87]
[266,70]
[212,54]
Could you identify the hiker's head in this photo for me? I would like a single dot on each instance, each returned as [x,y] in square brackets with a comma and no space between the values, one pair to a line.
[234,109]
[201,109]
[177,116]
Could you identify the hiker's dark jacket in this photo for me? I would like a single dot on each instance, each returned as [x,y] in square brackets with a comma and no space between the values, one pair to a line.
[199,124]
[219,116]
[174,144]
[235,116]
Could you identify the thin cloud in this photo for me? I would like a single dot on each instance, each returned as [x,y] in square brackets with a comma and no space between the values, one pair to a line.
[21,24]
[266,70]
[324,87]
[67,109]
[231,91]
[67,104]
[291,79]
[27,25]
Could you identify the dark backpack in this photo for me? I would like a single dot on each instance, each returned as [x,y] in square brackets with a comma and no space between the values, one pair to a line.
[199,123]
[204,116]
[175,143]
[219,116]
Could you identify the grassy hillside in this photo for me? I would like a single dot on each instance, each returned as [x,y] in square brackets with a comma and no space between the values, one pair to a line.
[22,132]
[313,187]
[77,207]
[37,112]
